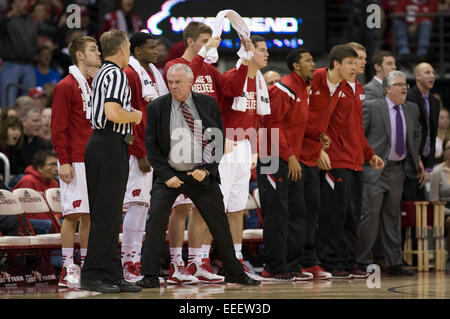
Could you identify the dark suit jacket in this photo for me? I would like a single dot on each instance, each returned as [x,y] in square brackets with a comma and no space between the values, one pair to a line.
[415,96]
[157,134]
[377,128]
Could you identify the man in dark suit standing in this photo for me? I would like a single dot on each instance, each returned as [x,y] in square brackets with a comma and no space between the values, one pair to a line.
[185,159]
[429,117]
[383,63]
[392,129]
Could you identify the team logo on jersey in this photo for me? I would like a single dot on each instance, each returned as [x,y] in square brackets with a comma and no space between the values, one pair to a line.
[76,203]
[136,192]
[317,93]
[298,100]
[341,94]
[362,97]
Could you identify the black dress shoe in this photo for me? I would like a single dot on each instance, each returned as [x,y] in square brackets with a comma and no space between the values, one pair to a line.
[400,270]
[243,279]
[149,282]
[99,286]
[125,286]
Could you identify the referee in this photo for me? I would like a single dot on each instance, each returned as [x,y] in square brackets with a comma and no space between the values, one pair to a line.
[106,159]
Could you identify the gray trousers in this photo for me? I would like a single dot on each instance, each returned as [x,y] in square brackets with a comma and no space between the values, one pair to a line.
[381,211]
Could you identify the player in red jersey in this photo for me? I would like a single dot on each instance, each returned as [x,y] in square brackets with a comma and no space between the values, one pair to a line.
[70,132]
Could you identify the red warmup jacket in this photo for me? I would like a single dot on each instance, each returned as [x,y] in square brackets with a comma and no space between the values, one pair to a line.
[289,113]
[321,106]
[34,180]
[349,147]
[411,8]
[69,126]
[137,102]
[208,80]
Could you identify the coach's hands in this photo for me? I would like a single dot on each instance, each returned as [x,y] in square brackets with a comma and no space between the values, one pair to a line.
[144,165]
[174,182]
[212,43]
[198,174]
[295,170]
[66,173]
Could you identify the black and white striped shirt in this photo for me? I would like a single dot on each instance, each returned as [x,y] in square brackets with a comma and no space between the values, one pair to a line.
[110,85]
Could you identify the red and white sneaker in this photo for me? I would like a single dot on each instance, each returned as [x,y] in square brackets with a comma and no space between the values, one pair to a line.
[178,275]
[204,273]
[283,277]
[129,272]
[302,276]
[70,276]
[249,270]
[318,272]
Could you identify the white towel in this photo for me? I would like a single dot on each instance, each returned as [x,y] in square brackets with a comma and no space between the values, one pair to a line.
[262,95]
[85,89]
[238,24]
[148,90]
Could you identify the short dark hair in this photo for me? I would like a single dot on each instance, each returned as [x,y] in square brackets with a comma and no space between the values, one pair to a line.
[8,122]
[339,53]
[256,38]
[139,39]
[79,44]
[294,56]
[40,158]
[193,31]
[111,41]
[379,56]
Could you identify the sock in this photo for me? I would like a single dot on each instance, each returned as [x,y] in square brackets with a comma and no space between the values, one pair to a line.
[205,251]
[132,234]
[67,256]
[195,255]
[83,252]
[238,251]
[127,251]
[176,256]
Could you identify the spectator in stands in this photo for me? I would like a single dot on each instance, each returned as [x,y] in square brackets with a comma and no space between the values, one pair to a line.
[405,28]
[429,116]
[18,35]
[46,117]
[40,176]
[39,96]
[271,77]
[8,112]
[440,185]
[22,103]
[32,124]
[442,133]
[11,141]
[122,18]
[383,63]
[43,71]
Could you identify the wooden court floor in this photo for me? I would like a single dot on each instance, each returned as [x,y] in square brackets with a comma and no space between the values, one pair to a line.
[423,285]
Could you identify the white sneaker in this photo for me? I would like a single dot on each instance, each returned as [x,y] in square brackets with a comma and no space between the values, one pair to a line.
[204,273]
[129,273]
[249,271]
[179,276]
[70,276]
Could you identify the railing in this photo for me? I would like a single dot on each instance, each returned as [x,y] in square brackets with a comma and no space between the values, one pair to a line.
[442,63]
[6,174]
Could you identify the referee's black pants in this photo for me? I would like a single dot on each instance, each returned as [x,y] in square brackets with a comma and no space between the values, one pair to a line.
[208,199]
[106,160]
[339,217]
[284,215]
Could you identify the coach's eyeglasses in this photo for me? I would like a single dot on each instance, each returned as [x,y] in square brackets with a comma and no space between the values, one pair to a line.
[399,84]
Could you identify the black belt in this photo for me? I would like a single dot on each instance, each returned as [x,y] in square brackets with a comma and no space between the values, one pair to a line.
[395,162]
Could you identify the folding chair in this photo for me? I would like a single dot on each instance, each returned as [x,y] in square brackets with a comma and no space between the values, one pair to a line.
[53,199]
[13,246]
[438,235]
[32,203]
